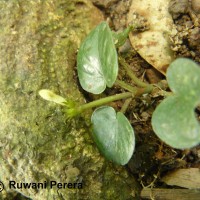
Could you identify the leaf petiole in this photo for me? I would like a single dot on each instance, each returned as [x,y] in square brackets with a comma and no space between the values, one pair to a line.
[103,101]
[126,86]
[130,73]
[125,95]
[125,105]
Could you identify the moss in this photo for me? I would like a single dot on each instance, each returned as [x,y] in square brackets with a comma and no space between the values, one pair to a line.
[38,45]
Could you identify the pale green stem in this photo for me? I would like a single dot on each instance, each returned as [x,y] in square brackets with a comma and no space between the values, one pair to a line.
[73,111]
[103,101]
[130,73]
[126,86]
[125,105]
[112,98]
[145,90]
[162,85]
[165,93]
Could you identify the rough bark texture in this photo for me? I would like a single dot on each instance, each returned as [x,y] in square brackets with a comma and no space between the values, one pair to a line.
[38,44]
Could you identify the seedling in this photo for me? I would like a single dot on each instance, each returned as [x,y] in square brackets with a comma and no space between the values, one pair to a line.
[174,119]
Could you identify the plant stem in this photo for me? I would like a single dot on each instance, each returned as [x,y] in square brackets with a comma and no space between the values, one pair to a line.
[105,100]
[126,95]
[112,98]
[131,74]
[126,86]
[165,93]
[125,105]
[145,90]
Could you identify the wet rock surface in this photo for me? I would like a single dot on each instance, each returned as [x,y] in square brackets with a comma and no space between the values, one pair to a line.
[38,45]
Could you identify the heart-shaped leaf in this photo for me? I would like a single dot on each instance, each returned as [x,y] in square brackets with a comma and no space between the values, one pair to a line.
[113,134]
[97,60]
[174,119]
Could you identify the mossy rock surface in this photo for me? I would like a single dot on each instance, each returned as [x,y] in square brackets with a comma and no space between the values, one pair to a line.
[38,45]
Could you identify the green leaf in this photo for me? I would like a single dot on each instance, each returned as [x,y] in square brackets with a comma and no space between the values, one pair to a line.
[183,77]
[120,38]
[174,119]
[113,134]
[97,60]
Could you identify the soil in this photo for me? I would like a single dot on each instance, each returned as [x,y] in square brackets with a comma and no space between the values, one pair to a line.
[153,159]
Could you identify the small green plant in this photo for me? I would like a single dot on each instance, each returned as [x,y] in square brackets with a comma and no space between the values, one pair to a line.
[174,119]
